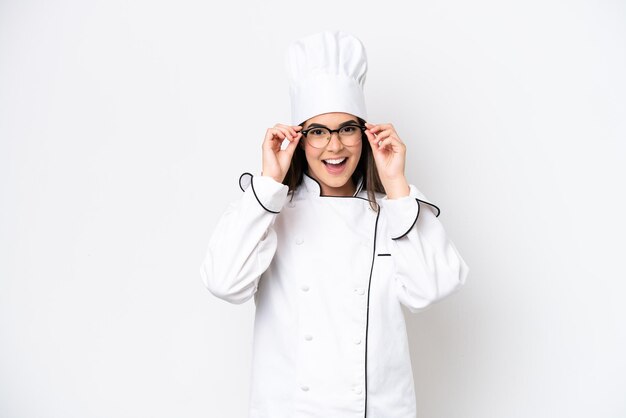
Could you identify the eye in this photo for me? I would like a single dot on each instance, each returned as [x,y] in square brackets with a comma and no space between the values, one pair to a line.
[349,129]
[316,131]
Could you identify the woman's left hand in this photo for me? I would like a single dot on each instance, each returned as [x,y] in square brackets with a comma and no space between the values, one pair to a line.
[390,156]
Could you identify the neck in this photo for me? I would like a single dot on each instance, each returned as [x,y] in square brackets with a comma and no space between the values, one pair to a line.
[348,189]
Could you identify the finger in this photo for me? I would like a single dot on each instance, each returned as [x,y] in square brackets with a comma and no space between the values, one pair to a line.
[384,143]
[291,129]
[285,130]
[373,141]
[391,142]
[383,135]
[295,139]
[288,130]
[384,130]
[271,137]
[369,125]
[374,128]
[291,147]
[389,134]
[296,129]
[379,132]
[371,137]
[279,135]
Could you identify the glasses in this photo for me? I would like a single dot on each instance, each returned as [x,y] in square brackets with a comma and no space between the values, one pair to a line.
[319,137]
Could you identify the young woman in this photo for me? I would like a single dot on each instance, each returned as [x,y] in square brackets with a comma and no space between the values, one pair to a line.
[331,241]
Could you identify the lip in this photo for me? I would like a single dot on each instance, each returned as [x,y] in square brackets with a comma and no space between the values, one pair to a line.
[336,169]
[335,158]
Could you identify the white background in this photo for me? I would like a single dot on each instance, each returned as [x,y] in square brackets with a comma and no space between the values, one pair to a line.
[124,126]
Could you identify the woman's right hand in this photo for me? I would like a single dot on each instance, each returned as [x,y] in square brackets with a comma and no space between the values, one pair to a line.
[276,161]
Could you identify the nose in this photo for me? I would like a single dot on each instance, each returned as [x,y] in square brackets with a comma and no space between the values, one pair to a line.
[334,144]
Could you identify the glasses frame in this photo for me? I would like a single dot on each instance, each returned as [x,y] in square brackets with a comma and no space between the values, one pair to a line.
[330,132]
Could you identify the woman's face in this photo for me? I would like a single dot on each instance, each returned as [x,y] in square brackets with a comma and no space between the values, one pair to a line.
[335,179]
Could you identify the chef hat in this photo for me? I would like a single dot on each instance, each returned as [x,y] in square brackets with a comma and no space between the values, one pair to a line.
[326,74]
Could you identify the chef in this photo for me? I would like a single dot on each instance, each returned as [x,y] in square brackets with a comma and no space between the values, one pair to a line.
[331,240]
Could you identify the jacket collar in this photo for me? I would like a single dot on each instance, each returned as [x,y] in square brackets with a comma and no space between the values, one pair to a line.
[311,186]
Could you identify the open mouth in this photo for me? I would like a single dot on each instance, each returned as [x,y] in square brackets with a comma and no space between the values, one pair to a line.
[335,162]
[335,165]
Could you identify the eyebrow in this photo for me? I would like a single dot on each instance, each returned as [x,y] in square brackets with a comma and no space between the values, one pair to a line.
[341,125]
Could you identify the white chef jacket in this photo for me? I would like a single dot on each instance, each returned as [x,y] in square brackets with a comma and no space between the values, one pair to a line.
[328,276]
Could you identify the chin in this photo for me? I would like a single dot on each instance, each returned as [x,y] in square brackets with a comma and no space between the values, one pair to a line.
[337,181]
[333,181]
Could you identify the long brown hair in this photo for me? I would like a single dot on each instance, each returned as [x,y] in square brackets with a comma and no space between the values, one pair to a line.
[366,168]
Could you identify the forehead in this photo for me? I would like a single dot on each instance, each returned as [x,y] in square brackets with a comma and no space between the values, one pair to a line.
[331,119]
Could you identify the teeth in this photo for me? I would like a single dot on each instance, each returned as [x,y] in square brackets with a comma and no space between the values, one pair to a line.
[339,161]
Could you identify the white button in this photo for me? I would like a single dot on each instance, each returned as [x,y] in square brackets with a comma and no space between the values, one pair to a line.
[357,341]
[308,337]
[360,290]
[299,241]
[358,391]
[305,288]
[304,388]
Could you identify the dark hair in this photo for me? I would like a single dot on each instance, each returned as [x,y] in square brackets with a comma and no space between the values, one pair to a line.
[366,168]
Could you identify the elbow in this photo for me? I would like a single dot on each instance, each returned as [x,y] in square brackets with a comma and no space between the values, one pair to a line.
[452,281]
[222,286]
[435,288]
[463,272]
[449,278]
[416,303]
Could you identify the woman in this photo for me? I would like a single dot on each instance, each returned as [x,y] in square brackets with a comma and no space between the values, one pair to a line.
[331,240]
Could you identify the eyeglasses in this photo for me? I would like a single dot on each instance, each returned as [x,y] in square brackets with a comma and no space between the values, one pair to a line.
[319,137]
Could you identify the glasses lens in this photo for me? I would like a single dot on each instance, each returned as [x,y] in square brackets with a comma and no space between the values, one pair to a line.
[318,137]
[350,135]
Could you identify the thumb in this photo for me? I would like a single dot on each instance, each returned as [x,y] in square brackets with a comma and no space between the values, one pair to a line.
[373,141]
[291,147]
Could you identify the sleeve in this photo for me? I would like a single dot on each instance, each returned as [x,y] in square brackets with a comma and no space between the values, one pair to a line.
[244,241]
[427,265]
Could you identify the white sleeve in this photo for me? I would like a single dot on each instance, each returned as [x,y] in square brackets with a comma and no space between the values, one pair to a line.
[244,241]
[427,265]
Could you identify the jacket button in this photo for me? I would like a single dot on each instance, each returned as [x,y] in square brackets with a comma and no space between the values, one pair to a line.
[360,290]
[308,337]
[305,288]
[304,388]
[358,391]
[357,341]
[299,241]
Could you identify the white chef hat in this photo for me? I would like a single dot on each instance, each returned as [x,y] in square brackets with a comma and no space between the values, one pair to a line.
[326,74]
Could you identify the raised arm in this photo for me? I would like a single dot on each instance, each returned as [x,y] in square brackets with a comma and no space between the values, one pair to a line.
[244,242]
[427,265]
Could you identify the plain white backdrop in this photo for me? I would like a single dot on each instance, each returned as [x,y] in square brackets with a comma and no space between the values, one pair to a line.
[124,126]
